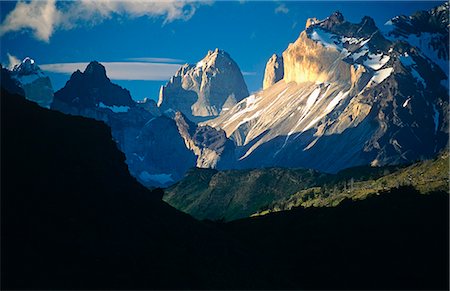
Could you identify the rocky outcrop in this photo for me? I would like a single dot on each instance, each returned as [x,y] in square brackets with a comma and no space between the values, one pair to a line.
[204,90]
[274,71]
[35,84]
[211,146]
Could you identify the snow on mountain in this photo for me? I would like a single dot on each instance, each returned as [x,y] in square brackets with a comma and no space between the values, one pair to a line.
[339,103]
[427,31]
[36,85]
[201,91]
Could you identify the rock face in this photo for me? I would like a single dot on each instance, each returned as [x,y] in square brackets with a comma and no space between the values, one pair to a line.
[211,146]
[274,71]
[349,97]
[204,90]
[36,85]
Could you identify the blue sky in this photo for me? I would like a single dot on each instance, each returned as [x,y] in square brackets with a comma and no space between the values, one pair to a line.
[142,44]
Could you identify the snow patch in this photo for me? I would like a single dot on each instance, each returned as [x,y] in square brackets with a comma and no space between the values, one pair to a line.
[312,98]
[325,38]
[406,102]
[114,108]
[362,52]
[376,61]
[336,100]
[381,75]
[200,64]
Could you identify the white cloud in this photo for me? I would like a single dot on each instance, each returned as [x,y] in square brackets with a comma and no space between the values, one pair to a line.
[156,60]
[282,9]
[121,70]
[43,17]
[12,61]
[38,16]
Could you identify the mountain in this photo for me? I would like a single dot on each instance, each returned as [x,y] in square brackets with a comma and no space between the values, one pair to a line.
[154,150]
[349,96]
[204,90]
[72,217]
[92,89]
[36,85]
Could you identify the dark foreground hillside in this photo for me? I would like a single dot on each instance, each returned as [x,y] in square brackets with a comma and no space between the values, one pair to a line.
[397,240]
[73,218]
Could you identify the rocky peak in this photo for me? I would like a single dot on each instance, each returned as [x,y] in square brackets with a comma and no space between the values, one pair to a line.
[26,67]
[202,90]
[311,21]
[334,19]
[96,71]
[274,71]
[367,25]
[36,85]
[92,89]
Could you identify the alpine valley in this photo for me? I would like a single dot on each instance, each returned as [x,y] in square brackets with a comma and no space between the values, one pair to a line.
[333,175]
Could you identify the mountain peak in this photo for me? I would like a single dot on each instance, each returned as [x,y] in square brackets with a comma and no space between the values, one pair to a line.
[213,57]
[26,67]
[95,69]
[334,19]
[202,90]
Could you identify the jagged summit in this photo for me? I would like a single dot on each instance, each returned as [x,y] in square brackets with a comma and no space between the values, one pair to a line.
[274,71]
[426,30]
[92,89]
[96,70]
[205,89]
[337,24]
[435,20]
[36,85]
[26,67]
